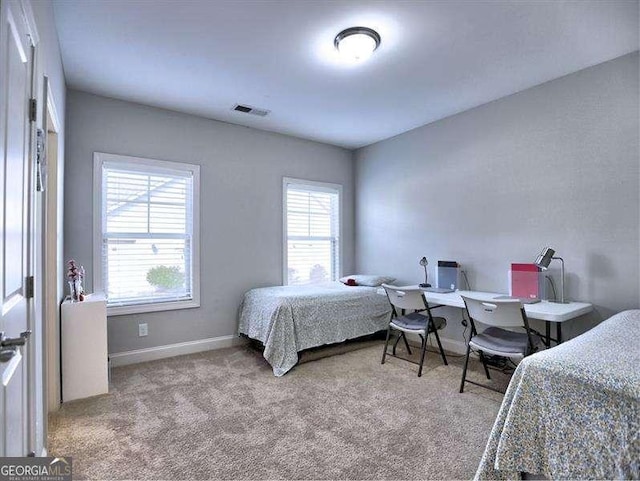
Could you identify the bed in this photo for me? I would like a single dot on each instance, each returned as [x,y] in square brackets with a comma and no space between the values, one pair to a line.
[573,412]
[289,319]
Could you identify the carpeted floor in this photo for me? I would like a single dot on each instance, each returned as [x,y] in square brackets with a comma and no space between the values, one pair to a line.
[223,415]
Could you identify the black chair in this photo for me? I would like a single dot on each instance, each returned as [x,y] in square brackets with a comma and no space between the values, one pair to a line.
[497,339]
[419,322]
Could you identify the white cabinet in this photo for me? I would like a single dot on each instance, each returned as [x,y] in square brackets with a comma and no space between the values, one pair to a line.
[83,337]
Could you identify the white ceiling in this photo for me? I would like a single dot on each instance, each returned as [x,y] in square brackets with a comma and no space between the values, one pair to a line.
[436,57]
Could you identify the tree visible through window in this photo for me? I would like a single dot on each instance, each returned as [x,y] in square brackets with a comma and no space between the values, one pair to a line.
[312,229]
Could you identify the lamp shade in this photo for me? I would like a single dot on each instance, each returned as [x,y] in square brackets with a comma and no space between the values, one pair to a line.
[544,258]
[424,262]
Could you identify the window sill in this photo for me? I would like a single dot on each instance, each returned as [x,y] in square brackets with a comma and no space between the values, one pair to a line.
[157,307]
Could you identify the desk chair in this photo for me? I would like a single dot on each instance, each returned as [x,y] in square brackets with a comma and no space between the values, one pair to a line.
[415,322]
[497,340]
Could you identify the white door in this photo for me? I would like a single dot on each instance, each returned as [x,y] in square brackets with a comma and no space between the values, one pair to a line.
[15,195]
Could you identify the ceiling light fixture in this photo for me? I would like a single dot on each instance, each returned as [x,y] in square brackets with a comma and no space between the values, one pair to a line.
[357,43]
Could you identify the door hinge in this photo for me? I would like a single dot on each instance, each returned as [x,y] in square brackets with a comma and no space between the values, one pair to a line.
[29,288]
[33,110]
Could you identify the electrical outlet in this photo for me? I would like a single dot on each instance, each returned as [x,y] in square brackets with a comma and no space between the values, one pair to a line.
[143,329]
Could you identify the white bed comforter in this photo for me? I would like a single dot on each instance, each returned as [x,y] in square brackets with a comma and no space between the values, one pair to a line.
[289,319]
[573,412]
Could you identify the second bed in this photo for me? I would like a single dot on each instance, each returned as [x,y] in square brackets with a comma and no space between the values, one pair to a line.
[289,319]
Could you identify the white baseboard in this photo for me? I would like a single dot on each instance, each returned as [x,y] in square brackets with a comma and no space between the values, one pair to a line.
[451,345]
[454,346]
[201,345]
[171,350]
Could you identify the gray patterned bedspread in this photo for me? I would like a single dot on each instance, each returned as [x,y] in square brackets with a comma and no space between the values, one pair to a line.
[288,319]
[573,412]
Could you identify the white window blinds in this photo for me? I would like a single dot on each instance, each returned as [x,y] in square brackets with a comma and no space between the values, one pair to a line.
[147,244]
[312,232]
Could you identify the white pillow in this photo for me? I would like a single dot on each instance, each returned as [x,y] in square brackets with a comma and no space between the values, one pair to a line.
[370,281]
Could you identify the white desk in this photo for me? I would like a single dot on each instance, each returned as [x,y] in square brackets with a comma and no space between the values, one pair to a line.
[543,310]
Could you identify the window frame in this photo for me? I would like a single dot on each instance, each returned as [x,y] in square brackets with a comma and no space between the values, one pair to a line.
[99,158]
[318,186]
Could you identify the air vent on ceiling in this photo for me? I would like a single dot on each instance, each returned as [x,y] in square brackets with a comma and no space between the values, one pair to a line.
[247,109]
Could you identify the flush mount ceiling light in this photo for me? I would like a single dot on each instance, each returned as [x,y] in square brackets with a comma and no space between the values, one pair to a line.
[357,43]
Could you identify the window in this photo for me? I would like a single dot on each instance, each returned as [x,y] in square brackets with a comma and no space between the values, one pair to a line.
[311,232]
[146,246]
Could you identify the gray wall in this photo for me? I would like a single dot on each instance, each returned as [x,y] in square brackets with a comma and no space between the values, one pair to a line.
[557,165]
[50,60]
[241,203]
[49,64]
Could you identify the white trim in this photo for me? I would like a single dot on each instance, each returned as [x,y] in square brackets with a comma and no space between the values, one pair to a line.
[152,307]
[51,306]
[451,345]
[312,185]
[99,158]
[30,20]
[171,350]
[321,187]
[51,110]
[97,222]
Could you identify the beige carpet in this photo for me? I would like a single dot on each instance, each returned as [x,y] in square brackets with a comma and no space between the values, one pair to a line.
[223,415]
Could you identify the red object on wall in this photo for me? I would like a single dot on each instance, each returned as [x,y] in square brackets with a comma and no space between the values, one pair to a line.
[525,281]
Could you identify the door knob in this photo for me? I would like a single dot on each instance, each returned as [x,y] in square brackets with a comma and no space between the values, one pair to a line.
[14,341]
[7,354]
